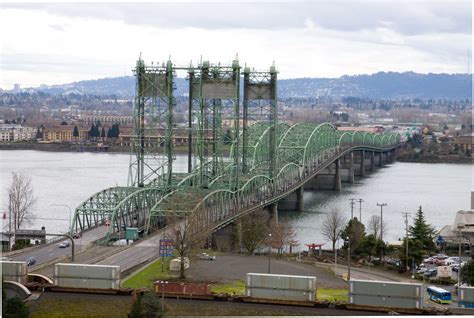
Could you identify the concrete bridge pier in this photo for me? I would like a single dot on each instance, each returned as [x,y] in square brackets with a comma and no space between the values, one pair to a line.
[351,167]
[274,211]
[362,163]
[380,159]
[372,161]
[337,176]
[299,199]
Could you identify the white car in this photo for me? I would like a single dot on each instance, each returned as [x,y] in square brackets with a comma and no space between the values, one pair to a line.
[206,257]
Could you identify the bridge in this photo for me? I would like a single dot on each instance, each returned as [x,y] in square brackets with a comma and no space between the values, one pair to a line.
[268,160]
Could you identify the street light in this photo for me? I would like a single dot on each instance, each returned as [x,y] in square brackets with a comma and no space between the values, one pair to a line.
[381,205]
[360,209]
[269,250]
[162,282]
[70,213]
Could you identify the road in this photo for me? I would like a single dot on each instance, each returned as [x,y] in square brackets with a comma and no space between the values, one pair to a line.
[50,252]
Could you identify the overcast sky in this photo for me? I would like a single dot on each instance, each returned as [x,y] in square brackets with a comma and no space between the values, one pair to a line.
[59,43]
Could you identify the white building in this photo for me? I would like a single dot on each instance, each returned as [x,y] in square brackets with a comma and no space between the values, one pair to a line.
[16,132]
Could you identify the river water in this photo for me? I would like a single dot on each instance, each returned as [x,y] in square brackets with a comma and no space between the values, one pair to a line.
[68,178]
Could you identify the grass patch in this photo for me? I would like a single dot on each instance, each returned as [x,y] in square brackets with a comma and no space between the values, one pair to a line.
[116,306]
[148,275]
[331,294]
[234,288]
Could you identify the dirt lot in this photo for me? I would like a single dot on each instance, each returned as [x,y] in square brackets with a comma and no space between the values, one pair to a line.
[228,268]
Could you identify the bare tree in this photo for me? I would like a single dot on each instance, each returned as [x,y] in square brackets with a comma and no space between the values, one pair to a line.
[373,227]
[179,231]
[22,200]
[333,225]
[282,235]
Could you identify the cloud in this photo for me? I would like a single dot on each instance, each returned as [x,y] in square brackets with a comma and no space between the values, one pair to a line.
[403,16]
[63,43]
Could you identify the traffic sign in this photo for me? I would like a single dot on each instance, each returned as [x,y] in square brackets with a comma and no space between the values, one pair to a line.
[166,248]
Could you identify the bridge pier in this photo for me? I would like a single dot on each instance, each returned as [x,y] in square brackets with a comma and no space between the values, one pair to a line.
[372,161]
[337,176]
[362,163]
[274,211]
[380,160]
[351,167]
[299,199]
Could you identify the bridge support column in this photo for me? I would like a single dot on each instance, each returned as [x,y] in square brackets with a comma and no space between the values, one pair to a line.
[372,161]
[337,176]
[380,159]
[351,167]
[362,163]
[274,211]
[299,199]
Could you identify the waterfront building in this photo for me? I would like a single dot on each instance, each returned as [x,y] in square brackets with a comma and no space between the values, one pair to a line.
[64,133]
[16,132]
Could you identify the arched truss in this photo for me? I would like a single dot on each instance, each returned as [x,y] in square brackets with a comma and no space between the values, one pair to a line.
[93,211]
[133,210]
[299,147]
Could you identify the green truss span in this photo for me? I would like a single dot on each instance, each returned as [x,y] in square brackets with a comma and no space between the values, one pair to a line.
[303,150]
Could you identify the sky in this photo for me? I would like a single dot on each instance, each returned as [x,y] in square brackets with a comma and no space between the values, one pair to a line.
[56,43]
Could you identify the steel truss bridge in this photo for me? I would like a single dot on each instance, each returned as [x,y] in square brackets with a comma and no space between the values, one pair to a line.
[268,159]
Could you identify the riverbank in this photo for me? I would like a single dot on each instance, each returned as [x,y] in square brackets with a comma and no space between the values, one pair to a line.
[87,147]
[410,155]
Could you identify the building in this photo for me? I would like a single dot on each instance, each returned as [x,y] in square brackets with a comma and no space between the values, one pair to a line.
[64,133]
[107,119]
[16,88]
[464,143]
[16,132]
[462,229]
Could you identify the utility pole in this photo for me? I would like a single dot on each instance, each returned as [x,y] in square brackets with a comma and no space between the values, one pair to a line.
[405,215]
[381,205]
[352,207]
[360,209]
[10,224]
[349,256]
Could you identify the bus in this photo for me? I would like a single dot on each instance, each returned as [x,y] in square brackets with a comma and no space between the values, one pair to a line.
[439,295]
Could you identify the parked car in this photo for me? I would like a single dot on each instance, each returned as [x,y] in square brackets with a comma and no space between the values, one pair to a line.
[76,235]
[63,244]
[431,272]
[30,261]
[421,270]
[441,256]
[428,260]
[207,257]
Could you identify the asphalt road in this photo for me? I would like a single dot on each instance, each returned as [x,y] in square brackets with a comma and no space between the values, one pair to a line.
[47,253]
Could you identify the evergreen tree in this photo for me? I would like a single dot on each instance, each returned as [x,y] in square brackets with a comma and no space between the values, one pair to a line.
[147,305]
[92,131]
[15,308]
[75,132]
[356,231]
[102,134]
[117,131]
[423,232]
[467,273]
[109,133]
[98,123]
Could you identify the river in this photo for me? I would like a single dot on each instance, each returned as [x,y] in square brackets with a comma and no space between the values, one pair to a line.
[68,178]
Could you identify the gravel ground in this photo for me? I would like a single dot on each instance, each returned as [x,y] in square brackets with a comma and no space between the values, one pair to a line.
[228,268]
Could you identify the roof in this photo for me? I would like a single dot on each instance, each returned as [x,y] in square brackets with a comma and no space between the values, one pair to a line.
[464,221]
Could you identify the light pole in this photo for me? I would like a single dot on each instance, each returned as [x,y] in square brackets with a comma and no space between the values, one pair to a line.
[162,283]
[360,209]
[10,224]
[70,213]
[269,250]
[352,208]
[406,238]
[381,205]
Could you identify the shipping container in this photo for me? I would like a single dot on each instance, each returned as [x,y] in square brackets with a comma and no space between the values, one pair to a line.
[466,294]
[12,268]
[87,283]
[286,282]
[22,279]
[466,304]
[175,264]
[381,301]
[380,288]
[280,294]
[87,271]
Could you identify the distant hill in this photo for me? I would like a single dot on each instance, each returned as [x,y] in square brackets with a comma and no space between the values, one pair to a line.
[382,85]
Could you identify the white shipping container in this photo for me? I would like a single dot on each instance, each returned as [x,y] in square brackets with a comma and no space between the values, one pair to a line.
[87,283]
[22,279]
[86,271]
[12,268]
[384,301]
[383,288]
[286,282]
[280,294]
[175,264]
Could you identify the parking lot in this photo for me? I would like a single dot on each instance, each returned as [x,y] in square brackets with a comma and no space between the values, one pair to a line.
[226,268]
